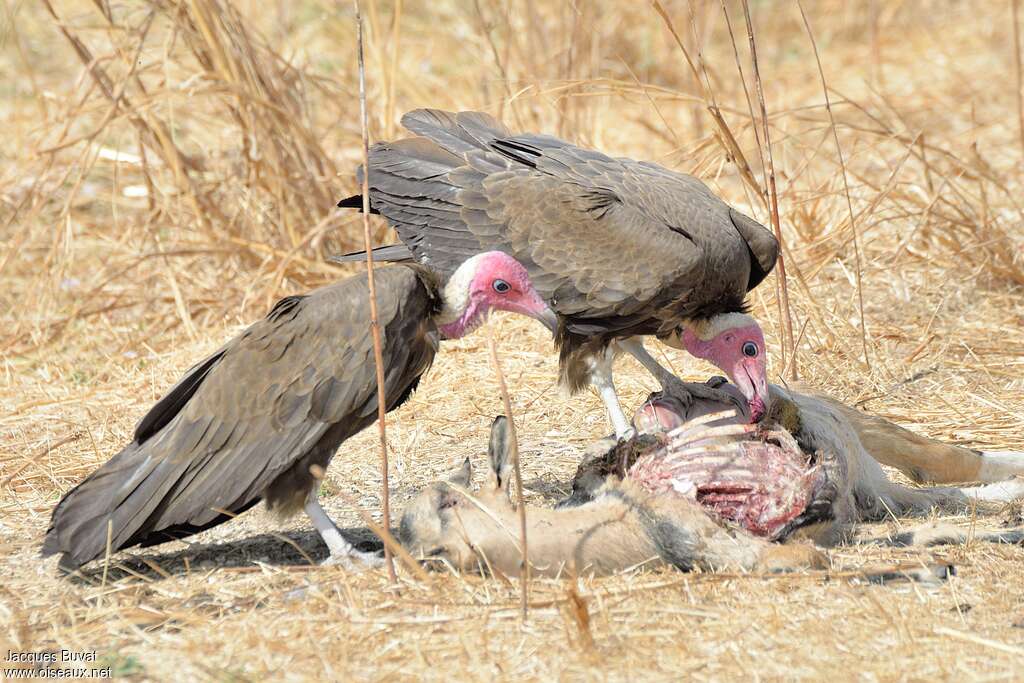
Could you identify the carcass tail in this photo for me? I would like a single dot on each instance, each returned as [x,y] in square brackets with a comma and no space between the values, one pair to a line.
[391,253]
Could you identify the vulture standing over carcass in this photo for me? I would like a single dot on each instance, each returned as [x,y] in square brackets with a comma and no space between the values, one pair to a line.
[812,460]
[249,422]
[618,248]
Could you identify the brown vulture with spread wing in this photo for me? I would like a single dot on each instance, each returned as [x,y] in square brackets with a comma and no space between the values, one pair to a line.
[619,248]
[249,422]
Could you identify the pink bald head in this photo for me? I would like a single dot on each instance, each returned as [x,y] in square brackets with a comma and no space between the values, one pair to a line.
[491,281]
[736,346]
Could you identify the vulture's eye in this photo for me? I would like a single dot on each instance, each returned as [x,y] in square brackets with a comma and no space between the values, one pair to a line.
[500,286]
[750,349]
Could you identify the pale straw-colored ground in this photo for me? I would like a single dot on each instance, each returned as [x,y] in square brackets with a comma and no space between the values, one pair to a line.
[136,238]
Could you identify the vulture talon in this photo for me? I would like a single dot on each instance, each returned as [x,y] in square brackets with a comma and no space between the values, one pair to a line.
[354,561]
[704,392]
[629,433]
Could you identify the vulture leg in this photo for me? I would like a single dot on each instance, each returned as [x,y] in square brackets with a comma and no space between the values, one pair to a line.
[601,379]
[634,346]
[671,384]
[342,552]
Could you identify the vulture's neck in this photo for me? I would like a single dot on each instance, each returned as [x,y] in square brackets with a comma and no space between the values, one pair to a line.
[455,320]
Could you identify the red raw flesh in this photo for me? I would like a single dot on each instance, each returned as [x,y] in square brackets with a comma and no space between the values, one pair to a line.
[758,485]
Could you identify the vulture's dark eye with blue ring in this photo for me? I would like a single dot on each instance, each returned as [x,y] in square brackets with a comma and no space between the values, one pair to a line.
[501,287]
[750,349]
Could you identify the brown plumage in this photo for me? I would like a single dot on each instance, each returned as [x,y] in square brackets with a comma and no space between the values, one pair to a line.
[257,419]
[248,422]
[619,248]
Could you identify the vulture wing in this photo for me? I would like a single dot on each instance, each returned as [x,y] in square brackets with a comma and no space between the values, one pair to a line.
[296,383]
[604,239]
[764,248]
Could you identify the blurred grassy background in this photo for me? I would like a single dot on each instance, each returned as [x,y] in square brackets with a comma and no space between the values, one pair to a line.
[173,164]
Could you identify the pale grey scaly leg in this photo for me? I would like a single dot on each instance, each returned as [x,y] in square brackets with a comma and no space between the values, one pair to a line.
[601,379]
[342,552]
[670,384]
[634,346]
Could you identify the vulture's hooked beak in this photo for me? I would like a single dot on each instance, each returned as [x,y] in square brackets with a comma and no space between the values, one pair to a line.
[549,319]
[531,304]
[749,378]
[534,305]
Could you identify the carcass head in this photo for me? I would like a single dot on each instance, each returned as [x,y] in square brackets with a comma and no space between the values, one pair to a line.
[448,523]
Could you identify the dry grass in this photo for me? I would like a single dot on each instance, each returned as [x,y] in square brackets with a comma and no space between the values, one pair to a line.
[171,168]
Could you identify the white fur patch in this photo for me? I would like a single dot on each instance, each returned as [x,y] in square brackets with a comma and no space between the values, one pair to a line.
[706,330]
[999,465]
[455,296]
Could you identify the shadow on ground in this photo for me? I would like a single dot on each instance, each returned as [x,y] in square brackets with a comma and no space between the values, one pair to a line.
[290,549]
[285,549]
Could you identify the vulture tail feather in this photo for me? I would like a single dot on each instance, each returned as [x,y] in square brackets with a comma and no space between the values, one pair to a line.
[458,133]
[355,202]
[390,252]
[184,530]
[122,494]
[171,404]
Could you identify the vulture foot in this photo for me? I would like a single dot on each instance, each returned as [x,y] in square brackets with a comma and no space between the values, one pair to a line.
[354,560]
[689,393]
[343,553]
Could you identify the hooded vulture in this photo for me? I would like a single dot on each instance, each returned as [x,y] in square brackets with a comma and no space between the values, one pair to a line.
[249,422]
[618,248]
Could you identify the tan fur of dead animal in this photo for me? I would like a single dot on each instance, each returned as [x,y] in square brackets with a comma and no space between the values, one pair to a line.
[624,527]
[623,523]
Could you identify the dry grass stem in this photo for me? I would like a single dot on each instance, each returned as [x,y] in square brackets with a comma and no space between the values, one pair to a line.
[378,359]
[846,189]
[513,437]
[773,199]
[1017,71]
